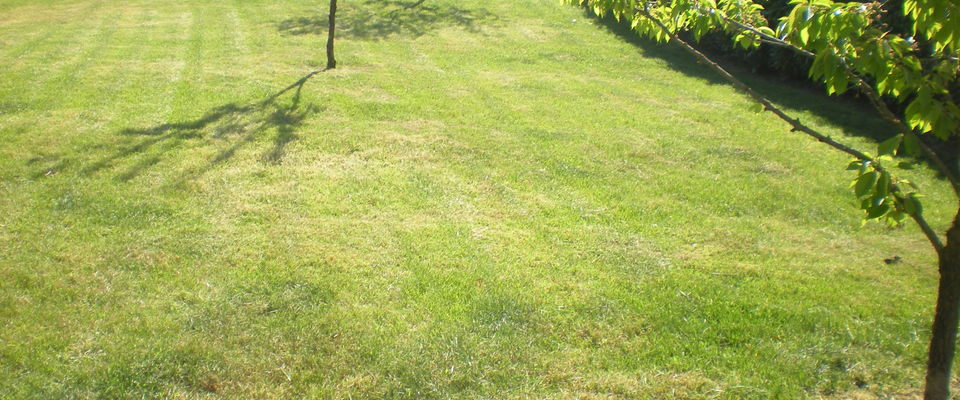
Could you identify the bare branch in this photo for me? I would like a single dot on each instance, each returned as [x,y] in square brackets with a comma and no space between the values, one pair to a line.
[928,232]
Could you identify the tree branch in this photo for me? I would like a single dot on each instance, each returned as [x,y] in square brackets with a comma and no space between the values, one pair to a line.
[871,95]
[928,232]
[796,125]
[767,38]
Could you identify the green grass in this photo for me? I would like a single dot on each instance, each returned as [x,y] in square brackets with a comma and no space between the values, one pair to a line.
[487,200]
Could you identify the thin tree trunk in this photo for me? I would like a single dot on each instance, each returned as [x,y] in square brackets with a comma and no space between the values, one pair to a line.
[331,60]
[943,339]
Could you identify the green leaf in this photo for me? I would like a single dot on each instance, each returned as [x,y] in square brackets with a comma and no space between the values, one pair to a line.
[890,146]
[912,204]
[895,218]
[919,111]
[757,108]
[883,184]
[865,183]
[878,211]
[911,144]
[804,35]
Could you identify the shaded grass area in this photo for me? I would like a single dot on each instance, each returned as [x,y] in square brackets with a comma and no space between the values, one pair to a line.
[809,99]
[382,19]
[523,206]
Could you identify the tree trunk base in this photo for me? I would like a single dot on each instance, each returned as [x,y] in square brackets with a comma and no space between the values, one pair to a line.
[943,338]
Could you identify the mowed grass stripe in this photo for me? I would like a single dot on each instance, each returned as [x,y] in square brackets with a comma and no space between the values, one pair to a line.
[519,204]
[86,50]
[106,74]
[55,25]
[144,94]
[28,77]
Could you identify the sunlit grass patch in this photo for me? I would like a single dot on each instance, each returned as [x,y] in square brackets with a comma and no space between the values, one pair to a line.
[486,200]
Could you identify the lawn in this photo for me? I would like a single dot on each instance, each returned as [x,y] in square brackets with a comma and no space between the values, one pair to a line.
[488,199]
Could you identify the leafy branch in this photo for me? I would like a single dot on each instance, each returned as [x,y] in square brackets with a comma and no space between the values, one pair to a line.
[874,176]
[869,92]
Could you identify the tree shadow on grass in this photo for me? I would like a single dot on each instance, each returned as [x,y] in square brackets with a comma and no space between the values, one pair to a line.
[851,115]
[381,19]
[233,125]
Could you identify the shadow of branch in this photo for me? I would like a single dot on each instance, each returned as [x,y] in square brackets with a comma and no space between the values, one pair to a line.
[235,124]
[381,19]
